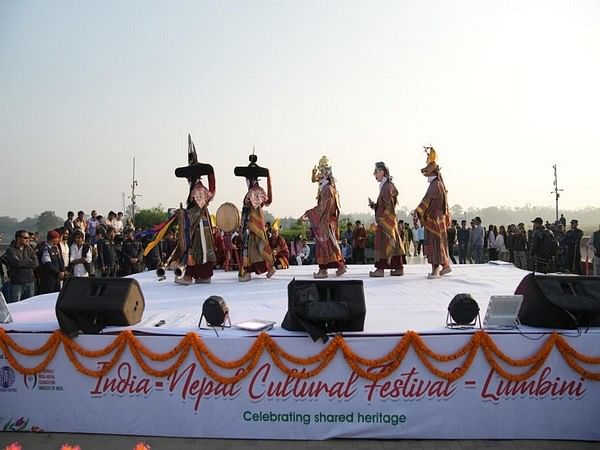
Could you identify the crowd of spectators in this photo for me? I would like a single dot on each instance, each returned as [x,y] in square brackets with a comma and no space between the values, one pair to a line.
[95,246]
[545,247]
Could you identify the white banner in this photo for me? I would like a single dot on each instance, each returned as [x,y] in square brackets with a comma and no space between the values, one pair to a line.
[555,403]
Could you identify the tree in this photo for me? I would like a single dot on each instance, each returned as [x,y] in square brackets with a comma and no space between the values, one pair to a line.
[47,221]
[456,212]
[147,218]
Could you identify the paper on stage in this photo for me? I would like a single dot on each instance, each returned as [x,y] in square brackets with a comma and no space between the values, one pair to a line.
[255,325]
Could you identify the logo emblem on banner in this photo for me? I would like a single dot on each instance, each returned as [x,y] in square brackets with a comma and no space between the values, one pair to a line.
[30,381]
[7,377]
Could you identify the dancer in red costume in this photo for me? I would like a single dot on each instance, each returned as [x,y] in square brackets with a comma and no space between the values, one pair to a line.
[324,222]
[388,244]
[434,216]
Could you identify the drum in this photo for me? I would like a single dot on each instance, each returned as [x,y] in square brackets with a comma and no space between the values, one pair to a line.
[228,217]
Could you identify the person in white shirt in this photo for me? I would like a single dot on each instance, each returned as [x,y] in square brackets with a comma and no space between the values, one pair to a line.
[304,256]
[491,244]
[118,224]
[63,246]
[500,244]
[81,256]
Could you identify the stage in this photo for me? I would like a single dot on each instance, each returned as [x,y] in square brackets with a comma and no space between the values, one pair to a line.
[406,376]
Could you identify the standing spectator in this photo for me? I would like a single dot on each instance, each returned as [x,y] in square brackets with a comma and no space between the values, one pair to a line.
[419,239]
[349,234]
[52,267]
[501,244]
[169,244]
[21,261]
[559,234]
[476,241]
[108,260]
[595,247]
[346,251]
[452,240]
[153,260]
[491,243]
[131,254]
[359,238]
[111,220]
[80,222]
[92,225]
[118,223]
[80,256]
[66,240]
[572,244]
[408,239]
[563,221]
[520,246]
[510,242]
[540,251]
[69,225]
[462,235]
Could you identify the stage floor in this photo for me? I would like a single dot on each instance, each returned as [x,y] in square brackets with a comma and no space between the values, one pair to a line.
[394,304]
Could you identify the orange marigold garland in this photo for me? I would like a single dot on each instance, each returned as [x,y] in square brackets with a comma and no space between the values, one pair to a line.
[386,364]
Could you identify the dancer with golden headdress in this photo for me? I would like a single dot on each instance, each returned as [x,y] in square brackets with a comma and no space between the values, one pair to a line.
[388,243]
[281,252]
[323,220]
[434,215]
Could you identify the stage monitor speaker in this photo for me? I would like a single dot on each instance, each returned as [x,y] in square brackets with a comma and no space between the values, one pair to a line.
[90,304]
[321,307]
[559,301]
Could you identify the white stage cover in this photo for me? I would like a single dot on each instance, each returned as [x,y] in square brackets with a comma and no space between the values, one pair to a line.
[536,392]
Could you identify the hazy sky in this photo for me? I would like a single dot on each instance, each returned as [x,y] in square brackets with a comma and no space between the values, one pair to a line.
[502,89]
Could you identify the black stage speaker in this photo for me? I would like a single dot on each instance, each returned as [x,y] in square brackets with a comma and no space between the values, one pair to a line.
[560,301]
[321,307]
[90,304]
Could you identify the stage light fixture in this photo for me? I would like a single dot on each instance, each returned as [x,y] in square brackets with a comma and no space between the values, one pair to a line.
[463,311]
[215,311]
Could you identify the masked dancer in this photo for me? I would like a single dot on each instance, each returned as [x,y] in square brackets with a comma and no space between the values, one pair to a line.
[388,244]
[281,252]
[434,216]
[257,255]
[195,245]
[323,220]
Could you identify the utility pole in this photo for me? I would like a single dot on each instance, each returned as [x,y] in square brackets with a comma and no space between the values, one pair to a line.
[133,195]
[556,190]
[123,197]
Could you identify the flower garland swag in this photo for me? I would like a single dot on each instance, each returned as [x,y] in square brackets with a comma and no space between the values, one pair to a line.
[289,364]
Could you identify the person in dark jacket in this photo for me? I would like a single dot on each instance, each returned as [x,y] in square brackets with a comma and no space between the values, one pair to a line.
[21,260]
[572,245]
[154,258]
[462,235]
[52,267]
[107,262]
[131,254]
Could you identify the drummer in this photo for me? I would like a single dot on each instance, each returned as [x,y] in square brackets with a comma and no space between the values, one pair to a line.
[228,220]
